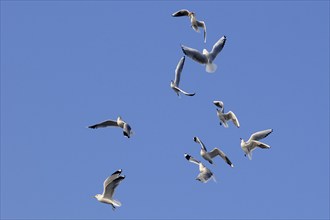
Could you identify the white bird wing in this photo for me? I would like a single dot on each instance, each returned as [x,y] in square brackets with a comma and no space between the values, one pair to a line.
[104,124]
[217,47]
[197,140]
[259,144]
[178,71]
[182,12]
[215,152]
[194,54]
[231,116]
[110,188]
[218,104]
[191,159]
[260,135]
[127,130]
[184,92]
[202,25]
[108,180]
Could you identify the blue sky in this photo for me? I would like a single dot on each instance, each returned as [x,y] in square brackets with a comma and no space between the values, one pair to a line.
[69,64]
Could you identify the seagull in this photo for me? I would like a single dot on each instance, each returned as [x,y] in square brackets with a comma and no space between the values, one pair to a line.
[215,152]
[205,174]
[127,131]
[109,187]
[175,84]
[206,57]
[195,24]
[254,142]
[224,117]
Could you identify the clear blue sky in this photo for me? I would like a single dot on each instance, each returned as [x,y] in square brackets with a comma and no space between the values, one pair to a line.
[69,64]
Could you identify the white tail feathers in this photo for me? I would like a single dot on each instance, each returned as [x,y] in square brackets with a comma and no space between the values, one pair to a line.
[211,67]
[249,155]
[116,203]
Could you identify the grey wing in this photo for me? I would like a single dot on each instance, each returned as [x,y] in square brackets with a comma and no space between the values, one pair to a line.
[197,140]
[184,92]
[215,152]
[217,47]
[231,116]
[110,189]
[260,134]
[113,176]
[202,25]
[182,12]
[191,159]
[127,130]
[194,54]
[178,71]
[260,144]
[104,124]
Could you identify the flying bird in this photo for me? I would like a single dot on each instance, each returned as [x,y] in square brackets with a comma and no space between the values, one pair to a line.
[127,131]
[254,142]
[195,24]
[109,187]
[210,155]
[204,173]
[175,84]
[206,57]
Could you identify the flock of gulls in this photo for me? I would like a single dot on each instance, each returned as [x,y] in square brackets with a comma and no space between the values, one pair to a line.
[206,58]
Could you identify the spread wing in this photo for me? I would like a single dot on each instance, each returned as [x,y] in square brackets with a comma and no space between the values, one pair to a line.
[202,25]
[260,135]
[178,71]
[259,144]
[191,159]
[184,92]
[182,12]
[218,104]
[215,152]
[197,140]
[110,188]
[194,54]
[217,47]
[231,116]
[104,124]
[113,176]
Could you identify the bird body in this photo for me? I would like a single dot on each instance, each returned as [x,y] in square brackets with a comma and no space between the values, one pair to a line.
[210,155]
[253,142]
[206,57]
[195,24]
[175,84]
[109,186]
[127,130]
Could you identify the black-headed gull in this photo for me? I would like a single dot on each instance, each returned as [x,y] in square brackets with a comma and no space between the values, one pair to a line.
[254,142]
[224,117]
[175,84]
[195,24]
[127,131]
[213,153]
[206,57]
[109,186]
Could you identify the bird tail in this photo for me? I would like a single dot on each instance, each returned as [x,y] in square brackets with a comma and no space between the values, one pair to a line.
[211,67]
[116,203]
[249,155]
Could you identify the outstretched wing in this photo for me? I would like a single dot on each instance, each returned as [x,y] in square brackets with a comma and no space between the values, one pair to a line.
[113,176]
[202,25]
[215,152]
[110,189]
[260,135]
[178,71]
[218,104]
[185,93]
[217,47]
[191,159]
[104,124]
[260,144]
[194,54]
[231,116]
[197,140]
[182,12]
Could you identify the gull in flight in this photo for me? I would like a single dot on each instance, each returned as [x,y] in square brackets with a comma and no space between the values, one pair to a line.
[109,187]
[215,152]
[204,173]
[224,117]
[195,24]
[127,131]
[254,142]
[175,84]
[206,57]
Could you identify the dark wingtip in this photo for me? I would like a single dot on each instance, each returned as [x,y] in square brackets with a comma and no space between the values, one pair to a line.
[187,156]
[117,172]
